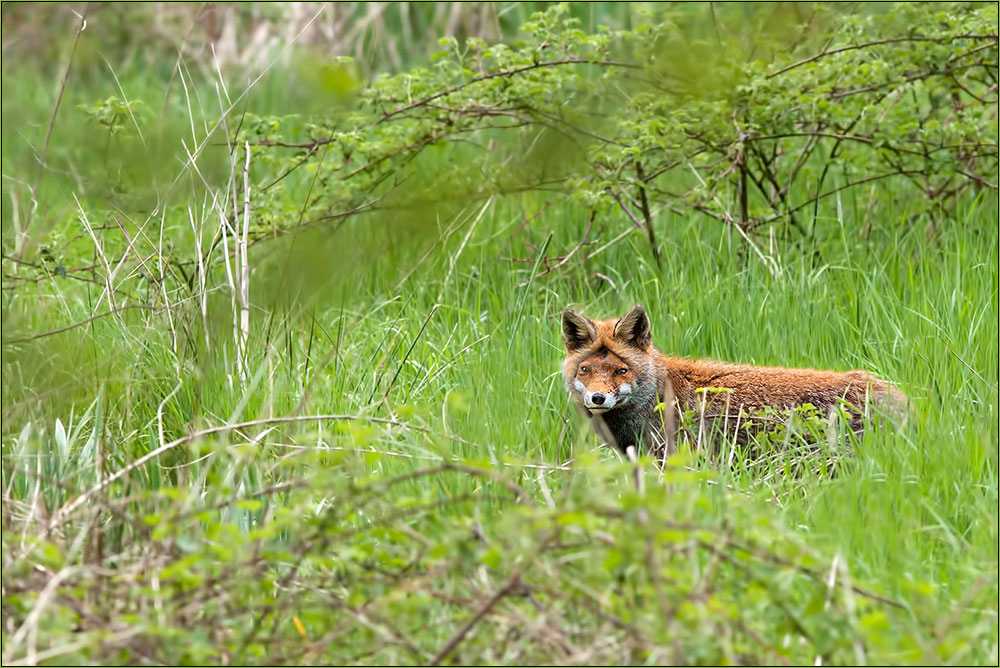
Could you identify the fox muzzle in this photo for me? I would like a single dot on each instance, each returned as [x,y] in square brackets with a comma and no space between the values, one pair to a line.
[605,401]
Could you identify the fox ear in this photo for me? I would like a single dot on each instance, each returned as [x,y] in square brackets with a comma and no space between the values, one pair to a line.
[577,331]
[633,327]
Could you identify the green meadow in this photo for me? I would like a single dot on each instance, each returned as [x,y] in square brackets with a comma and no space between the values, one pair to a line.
[369,456]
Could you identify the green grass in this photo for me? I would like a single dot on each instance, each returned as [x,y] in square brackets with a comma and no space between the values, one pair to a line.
[413,315]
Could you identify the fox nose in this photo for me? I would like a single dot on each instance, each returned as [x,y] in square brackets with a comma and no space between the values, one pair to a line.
[597,399]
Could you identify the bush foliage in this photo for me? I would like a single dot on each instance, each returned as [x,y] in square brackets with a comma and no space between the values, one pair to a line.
[649,117]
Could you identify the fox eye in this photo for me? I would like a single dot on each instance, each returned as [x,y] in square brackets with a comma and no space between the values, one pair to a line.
[622,371]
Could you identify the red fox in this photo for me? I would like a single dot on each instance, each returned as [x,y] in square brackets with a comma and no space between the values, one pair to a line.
[632,392]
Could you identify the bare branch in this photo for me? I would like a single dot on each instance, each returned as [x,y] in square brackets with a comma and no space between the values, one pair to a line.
[865,45]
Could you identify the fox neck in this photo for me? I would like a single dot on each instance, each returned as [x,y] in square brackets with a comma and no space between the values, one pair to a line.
[628,424]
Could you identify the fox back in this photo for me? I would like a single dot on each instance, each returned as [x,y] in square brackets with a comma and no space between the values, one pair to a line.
[633,393]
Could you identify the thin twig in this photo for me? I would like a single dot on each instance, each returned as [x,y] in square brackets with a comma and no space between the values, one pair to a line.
[42,335]
[586,236]
[504,73]
[409,350]
[865,45]
[512,583]
[33,203]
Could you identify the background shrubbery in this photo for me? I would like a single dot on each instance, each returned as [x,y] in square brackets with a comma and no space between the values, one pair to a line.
[281,287]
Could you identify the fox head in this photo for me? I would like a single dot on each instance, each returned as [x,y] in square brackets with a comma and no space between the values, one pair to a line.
[609,363]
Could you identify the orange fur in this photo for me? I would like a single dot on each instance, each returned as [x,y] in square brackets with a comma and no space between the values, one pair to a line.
[604,355]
